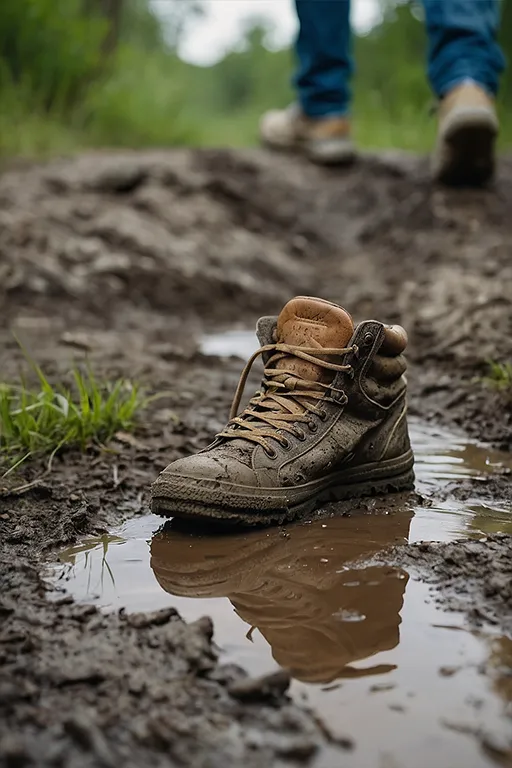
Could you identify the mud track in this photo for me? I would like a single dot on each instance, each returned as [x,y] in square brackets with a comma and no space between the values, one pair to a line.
[126,259]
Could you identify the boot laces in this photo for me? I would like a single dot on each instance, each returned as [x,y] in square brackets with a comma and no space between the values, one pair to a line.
[285,399]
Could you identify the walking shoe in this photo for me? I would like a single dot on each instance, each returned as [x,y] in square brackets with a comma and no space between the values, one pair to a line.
[329,423]
[324,140]
[468,126]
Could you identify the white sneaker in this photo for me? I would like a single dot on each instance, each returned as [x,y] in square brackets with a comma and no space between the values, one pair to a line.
[324,140]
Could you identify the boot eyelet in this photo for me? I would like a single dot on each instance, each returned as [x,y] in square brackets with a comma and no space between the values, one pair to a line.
[322,415]
[285,443]
[368,339]
[271,453]
[301,435]
[313,426]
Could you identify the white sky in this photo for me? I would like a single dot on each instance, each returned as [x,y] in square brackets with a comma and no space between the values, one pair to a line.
[219,30]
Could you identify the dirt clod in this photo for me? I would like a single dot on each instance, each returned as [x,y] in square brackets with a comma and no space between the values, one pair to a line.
[155,619]
[475,576]
[265,688]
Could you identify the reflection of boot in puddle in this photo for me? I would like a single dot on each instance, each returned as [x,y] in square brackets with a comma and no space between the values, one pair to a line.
[303,588]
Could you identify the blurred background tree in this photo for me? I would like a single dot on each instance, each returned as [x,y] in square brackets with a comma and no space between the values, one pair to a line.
[76,73]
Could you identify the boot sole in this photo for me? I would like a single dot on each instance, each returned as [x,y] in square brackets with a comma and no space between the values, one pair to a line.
[331,152]
[467,149]
[400,477]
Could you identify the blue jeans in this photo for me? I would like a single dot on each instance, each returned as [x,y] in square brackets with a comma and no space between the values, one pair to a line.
[462,46]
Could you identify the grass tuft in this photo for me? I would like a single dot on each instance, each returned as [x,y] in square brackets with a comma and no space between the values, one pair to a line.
[40,421]
[499,376]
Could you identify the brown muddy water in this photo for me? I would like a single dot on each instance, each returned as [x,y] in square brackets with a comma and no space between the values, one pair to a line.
[410,685]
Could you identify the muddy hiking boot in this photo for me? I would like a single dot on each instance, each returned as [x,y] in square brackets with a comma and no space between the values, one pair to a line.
[468,127]
[324,140]
[328,423]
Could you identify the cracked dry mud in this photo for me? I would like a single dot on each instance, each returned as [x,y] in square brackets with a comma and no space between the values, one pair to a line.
[127,258]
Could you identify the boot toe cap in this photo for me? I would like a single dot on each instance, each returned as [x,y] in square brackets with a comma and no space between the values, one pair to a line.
[204,478]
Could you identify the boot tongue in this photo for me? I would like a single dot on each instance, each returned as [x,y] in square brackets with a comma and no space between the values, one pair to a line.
[314,323]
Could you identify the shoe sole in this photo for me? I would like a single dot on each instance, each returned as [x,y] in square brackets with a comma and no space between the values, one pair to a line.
[323,152]
[334,488]
[330,152]
[466,149]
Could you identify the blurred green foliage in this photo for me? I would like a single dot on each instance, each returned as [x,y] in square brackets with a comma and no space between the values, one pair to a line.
[50,48]
[77,73]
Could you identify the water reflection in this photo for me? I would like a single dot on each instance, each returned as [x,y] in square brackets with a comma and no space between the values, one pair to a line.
[311,596]
[301,588]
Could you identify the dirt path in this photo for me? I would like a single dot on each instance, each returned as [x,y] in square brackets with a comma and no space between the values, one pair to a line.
[127,259]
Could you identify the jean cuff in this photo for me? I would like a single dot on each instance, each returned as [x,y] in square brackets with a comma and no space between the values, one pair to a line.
[319,114]
[460,81]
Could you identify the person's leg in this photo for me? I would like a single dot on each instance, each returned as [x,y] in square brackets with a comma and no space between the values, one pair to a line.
[463,44]
[323,52]
[318,125]
[465,62]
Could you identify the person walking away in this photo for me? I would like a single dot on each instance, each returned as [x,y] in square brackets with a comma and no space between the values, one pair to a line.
[464,65]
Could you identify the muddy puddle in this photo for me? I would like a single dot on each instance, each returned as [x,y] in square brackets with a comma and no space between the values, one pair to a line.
[383,666]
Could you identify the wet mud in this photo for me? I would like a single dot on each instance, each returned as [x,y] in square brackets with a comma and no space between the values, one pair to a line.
[135,262]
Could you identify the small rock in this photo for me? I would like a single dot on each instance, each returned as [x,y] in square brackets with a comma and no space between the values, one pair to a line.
[82,612]
[263,688]
[137,683]
[73,674]
[204,625]
[299,748]
[65,600]
[159,694]
[153,619]
[226,674]
[448,671]
[76,340]
[118,178]
[381,687]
